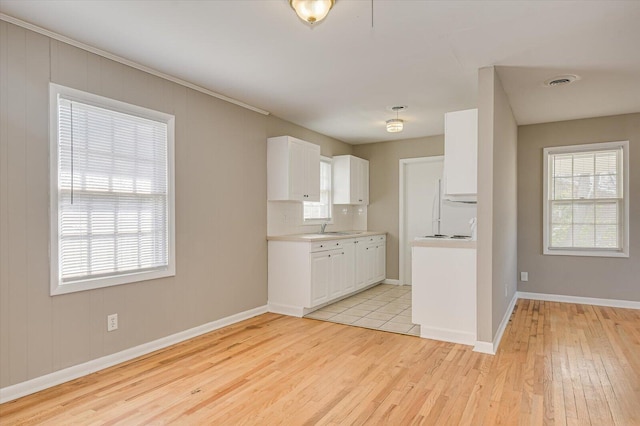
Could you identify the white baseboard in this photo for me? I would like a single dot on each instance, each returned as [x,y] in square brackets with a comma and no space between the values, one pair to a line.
[614,303]
[446,335]
[492,347]
[292,311]
[18,390]
[390,281]
[484,347]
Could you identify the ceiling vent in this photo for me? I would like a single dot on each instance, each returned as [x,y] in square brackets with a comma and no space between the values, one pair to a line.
[561,80]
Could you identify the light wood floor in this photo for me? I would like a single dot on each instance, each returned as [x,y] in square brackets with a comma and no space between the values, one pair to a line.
[558,363]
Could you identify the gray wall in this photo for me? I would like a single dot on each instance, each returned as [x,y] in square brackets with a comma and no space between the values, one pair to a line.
[600,277]
[220,212]
[497,204]
[384,180]
[328,146]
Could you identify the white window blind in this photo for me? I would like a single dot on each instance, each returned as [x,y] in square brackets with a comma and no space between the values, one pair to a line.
[113,195]
[586,199]
[321,210]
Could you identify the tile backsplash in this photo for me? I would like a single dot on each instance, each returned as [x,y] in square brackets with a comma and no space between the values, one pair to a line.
[285,218]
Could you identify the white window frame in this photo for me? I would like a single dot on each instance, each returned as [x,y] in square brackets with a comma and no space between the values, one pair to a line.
[56,286]
[320,221]
[624,220]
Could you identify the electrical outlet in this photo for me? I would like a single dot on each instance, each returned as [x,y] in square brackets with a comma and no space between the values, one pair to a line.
[112,322]
[506,290]
[524,276]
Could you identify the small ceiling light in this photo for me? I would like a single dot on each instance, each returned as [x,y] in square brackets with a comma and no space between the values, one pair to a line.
[312,11]
[561,80]
[396,125]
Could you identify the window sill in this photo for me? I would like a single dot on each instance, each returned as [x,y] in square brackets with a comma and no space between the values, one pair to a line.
[91,284]
[585,253]
[315,222]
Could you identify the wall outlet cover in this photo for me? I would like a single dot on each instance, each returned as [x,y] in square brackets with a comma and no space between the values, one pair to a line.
[524,276]
[112,322]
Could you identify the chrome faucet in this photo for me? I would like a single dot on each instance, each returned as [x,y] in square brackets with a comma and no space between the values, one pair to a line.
[322,227]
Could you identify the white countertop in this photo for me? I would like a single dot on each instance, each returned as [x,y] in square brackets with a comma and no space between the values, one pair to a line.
[323,237]
[445,243]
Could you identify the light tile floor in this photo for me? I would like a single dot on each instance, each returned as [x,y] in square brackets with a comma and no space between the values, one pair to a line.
[384,307]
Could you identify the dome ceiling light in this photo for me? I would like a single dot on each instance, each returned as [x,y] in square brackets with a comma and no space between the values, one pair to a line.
[312,11]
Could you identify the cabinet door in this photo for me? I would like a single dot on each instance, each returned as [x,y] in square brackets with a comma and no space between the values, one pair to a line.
[381,266]
[350,180]
[298,174]
[361,265]
[336,286]
[320,278]
[312,173]
[370,264]
[363,182]
[461,152]
[349,278]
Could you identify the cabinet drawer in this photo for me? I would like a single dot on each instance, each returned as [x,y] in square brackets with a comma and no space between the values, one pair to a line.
[330,245]
[372,239]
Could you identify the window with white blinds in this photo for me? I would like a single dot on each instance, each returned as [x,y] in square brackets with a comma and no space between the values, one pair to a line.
[320,211]
[586,208]
[112,201]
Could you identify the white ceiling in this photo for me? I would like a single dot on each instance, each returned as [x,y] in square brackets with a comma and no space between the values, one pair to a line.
[340,76]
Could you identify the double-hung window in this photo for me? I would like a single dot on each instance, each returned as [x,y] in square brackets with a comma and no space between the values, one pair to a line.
[586,208]
[320,211]
[112,201]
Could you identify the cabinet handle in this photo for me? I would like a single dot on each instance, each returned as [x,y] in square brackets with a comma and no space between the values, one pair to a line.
[321,246]
[342,252]
[329,255]
[337,244]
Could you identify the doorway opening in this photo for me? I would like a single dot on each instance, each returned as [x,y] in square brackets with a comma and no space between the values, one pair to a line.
[418,198]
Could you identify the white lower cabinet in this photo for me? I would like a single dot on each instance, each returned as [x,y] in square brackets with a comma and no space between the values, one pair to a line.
[321,276]
[370,260]
[305,275]
[331,274]
[361,265]
[342,272]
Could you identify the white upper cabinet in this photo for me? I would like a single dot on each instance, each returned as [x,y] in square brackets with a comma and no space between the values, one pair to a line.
[293,170]
[350,180]
[461,155]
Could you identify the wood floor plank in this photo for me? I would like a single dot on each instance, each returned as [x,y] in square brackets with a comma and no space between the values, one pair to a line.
[558,363]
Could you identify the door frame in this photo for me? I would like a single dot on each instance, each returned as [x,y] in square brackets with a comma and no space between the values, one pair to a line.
[401,221]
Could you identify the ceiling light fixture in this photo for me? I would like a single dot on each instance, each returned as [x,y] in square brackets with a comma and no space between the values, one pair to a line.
[312,11]
[396,125]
